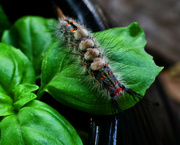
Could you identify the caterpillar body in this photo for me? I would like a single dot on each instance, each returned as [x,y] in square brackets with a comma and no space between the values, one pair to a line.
[84,45]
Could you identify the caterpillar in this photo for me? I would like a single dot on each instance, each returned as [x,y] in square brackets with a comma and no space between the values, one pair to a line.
[82,44]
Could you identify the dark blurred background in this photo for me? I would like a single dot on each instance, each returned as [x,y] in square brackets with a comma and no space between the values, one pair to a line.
[160,19]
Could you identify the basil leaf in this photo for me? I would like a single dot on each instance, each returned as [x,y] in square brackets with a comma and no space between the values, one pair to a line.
[4,22]
[23,94]
[130,60]
[6,105]
[61,77]
[37,123]
[31,35]
[23,89]
[15,69]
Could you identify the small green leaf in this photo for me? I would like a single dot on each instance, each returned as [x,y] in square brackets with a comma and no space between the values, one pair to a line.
[31,35]
[24,89]
[4,22]
[23,94]
[15,69]
[125,48]
[37,123]
[23,100]
[6,105]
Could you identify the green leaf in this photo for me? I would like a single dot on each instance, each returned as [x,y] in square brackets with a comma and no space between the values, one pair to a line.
[15,69]
[37,123]
[23,100]
[4,22]
[24,89]
[31,35]
[23,94]
[6,105]
[61,78]
[84,137]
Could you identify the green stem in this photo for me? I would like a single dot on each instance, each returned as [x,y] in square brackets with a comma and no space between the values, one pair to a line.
[40,92]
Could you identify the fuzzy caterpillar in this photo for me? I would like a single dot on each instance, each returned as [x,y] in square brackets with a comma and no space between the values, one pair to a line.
[83,44]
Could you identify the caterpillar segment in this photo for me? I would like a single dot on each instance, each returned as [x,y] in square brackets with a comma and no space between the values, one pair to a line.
[93,59]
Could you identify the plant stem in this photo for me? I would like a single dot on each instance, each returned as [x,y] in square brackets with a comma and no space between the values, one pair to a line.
[40,92]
